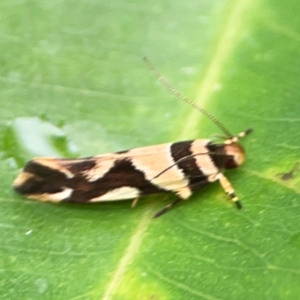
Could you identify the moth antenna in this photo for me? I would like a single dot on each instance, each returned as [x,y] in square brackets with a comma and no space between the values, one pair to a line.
[185,158]
[179,161]
[179,95]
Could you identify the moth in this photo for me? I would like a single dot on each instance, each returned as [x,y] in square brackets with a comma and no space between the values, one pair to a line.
[181,168]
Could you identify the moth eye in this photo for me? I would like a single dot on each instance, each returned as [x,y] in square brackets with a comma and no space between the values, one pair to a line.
[231,163]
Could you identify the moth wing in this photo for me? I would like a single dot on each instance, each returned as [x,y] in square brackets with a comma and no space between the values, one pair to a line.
[107,177]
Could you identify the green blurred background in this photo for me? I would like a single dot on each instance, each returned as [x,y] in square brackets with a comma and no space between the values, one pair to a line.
[73,83]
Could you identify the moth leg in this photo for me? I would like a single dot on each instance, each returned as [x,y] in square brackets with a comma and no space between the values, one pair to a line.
[227,187]
[134,202]
[166,208]
[184,193]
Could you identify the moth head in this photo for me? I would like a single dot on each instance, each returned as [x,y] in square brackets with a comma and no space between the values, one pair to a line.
[234,151]
[235,154]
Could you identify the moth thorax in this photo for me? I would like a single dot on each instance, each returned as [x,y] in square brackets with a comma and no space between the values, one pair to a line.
[236,155]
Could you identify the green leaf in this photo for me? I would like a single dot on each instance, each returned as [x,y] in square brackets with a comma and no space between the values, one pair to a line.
[73,84]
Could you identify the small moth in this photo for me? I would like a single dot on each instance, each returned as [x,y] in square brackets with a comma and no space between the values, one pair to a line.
[181,168]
